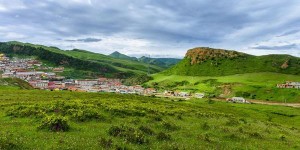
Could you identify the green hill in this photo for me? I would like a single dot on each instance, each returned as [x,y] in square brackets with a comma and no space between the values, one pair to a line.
[119,55]
[217,62]
[79,63]
[14,83]
[161,62]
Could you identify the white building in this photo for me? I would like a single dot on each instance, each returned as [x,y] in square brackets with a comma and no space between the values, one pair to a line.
[199,95]
[86,82]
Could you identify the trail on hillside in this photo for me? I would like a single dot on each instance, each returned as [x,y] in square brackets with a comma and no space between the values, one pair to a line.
[296,105]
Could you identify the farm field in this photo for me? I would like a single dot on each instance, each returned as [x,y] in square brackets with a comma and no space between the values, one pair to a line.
[260,86]
[34,119]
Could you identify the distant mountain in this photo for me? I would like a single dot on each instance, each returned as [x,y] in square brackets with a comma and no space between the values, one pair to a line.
[205,61]
[116,54]
[80,63]
[161,62]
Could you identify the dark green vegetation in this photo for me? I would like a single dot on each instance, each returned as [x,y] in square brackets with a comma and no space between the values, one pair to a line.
[73,120]
[14,83]
[217,62]
[161,62]
[86,64]
[137,80]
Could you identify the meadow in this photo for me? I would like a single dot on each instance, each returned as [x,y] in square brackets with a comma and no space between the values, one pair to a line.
[35,119]
[260,86]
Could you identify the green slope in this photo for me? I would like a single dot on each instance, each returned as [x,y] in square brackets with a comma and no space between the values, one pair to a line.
[83,61]
[216,62]
[119,55]
[13,83]
[161,62]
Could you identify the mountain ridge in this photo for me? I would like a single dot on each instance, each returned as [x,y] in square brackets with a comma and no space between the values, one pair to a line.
[161,62]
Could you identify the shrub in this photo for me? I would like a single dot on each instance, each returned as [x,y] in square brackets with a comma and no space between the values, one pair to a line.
[146,130]
[232,122]
[106,144]
[86,114]
[163,136]
[205,126]
[169,126]
[128,134]
[55,123]
[7,142]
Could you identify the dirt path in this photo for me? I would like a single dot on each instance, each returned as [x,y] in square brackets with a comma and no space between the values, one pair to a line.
[275,103]
[296,105]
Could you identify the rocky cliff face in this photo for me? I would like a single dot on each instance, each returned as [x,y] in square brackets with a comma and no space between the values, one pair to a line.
[202,54]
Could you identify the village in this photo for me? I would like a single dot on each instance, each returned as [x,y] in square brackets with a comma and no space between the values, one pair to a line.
[40,76]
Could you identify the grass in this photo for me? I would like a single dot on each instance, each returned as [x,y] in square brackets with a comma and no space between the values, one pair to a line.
[258,85]
[113,121]
[14,83]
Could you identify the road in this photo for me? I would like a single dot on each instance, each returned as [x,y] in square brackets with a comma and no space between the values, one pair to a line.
[296,105]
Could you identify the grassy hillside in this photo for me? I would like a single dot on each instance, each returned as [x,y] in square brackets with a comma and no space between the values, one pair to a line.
[161,62]
[86,63]
[13,83]
[260,86]
[217,62]
[117,54]
[68,120]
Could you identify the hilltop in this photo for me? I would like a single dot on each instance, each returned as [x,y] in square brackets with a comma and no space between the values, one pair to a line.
[117,54]
[161,62]
[205,61]
[79,63]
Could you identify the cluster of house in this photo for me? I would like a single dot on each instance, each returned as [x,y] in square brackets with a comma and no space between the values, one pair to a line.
[41,77]
[27,69]
[289,85]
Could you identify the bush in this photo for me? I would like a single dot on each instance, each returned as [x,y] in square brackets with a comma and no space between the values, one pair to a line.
[55,123]
[106,144]
[163,136]
[128,134]
[169,126]
[7,142]
[146,130]
[205,126]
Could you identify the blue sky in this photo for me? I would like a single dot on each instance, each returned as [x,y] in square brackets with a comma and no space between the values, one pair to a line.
[160,28]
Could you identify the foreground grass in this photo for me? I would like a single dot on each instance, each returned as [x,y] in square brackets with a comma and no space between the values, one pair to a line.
[256,85]
[111,121]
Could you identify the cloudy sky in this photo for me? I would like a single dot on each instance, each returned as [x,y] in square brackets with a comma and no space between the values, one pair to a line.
[162,28]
